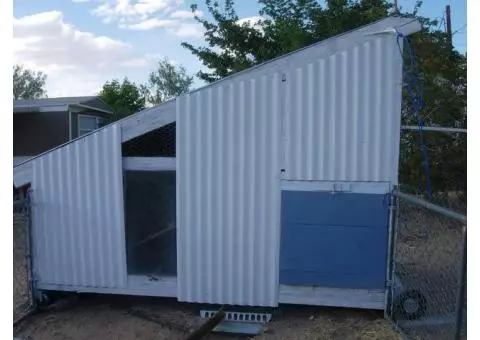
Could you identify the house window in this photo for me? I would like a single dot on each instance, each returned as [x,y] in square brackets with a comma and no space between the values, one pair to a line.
[87,124]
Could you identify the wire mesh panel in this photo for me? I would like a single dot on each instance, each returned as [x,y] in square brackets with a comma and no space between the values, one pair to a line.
[427,271]
[23,300]
[150,222]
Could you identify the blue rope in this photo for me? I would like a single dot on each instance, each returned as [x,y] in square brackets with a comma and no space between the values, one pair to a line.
[415,93]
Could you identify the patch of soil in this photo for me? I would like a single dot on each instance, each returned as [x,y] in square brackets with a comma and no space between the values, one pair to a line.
[108,317]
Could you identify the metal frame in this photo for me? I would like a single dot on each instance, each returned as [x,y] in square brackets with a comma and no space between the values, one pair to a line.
[69,124]
[431,206]
[26,205]
[462,277]
[149,163]
[30,258]
[433,128]
[392,209]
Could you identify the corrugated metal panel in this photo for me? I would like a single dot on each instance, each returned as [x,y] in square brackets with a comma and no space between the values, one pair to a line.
[343,113]
[228,191]
[338,113]
[78,220]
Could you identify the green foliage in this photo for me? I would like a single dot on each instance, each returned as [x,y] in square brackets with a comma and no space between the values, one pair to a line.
[166,82]
[288,25]
[28,84]
[125,97]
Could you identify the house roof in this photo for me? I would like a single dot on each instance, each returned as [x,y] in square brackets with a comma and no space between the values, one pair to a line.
[60,104]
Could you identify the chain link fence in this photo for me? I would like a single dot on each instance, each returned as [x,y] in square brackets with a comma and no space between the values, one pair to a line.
[445,151]
[23,298]
[428,297]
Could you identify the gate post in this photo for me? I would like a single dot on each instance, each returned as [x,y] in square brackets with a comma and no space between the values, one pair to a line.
[461,286]
[392,217]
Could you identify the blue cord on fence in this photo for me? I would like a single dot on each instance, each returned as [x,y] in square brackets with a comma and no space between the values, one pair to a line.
[415,93]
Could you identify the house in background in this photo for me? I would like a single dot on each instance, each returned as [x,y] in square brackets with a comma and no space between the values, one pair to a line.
[42,124]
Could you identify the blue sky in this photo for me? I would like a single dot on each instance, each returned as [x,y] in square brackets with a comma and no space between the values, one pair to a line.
[80,44]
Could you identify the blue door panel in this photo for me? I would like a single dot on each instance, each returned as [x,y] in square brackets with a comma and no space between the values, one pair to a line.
[334,240]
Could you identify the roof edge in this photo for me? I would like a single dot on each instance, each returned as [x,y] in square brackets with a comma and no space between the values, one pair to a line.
[391,24]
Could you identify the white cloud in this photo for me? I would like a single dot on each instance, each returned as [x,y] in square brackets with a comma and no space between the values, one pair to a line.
[144,15]
[187,30]
[253,22]
[76,62]
[134,10]
[177,28]
[186,14]
[151,24]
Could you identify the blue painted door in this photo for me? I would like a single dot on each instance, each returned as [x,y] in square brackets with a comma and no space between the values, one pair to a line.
[334,239]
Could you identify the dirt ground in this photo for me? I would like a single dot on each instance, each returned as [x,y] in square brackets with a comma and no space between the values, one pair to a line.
[21,298]
[115,317]
[121,317]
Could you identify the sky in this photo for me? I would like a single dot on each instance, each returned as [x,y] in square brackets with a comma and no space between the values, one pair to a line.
[81,44]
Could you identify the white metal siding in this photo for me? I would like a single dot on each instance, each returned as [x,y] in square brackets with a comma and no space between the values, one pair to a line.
[343,113]
[228,191]
[78,221]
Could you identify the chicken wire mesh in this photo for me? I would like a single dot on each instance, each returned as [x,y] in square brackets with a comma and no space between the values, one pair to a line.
[156,143]
[427,284]
[23,298]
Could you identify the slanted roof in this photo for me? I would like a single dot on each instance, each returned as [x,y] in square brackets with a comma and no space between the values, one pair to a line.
[389,25]
[60,104]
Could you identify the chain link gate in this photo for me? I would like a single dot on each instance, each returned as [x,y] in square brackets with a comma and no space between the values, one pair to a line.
[24,301]
[427,271]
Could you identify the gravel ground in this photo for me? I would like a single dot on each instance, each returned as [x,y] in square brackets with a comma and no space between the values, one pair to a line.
[121,317]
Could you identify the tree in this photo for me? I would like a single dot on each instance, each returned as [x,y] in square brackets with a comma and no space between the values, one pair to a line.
[125,98]
[167,81]
[289,25]
[28,84]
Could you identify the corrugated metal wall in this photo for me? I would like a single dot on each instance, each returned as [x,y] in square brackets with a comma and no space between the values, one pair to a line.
[78,220]
[326,113]
[342,113]
[228,197]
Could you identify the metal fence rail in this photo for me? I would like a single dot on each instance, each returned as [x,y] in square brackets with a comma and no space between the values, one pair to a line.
[428,270]
[23,296]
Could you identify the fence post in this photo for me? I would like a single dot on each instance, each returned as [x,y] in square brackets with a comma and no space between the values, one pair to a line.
[30,273]
[461,287]
[392,214]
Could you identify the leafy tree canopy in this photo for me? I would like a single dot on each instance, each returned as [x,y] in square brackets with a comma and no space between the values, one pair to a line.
[28,84]
[124,97]
[167,81]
